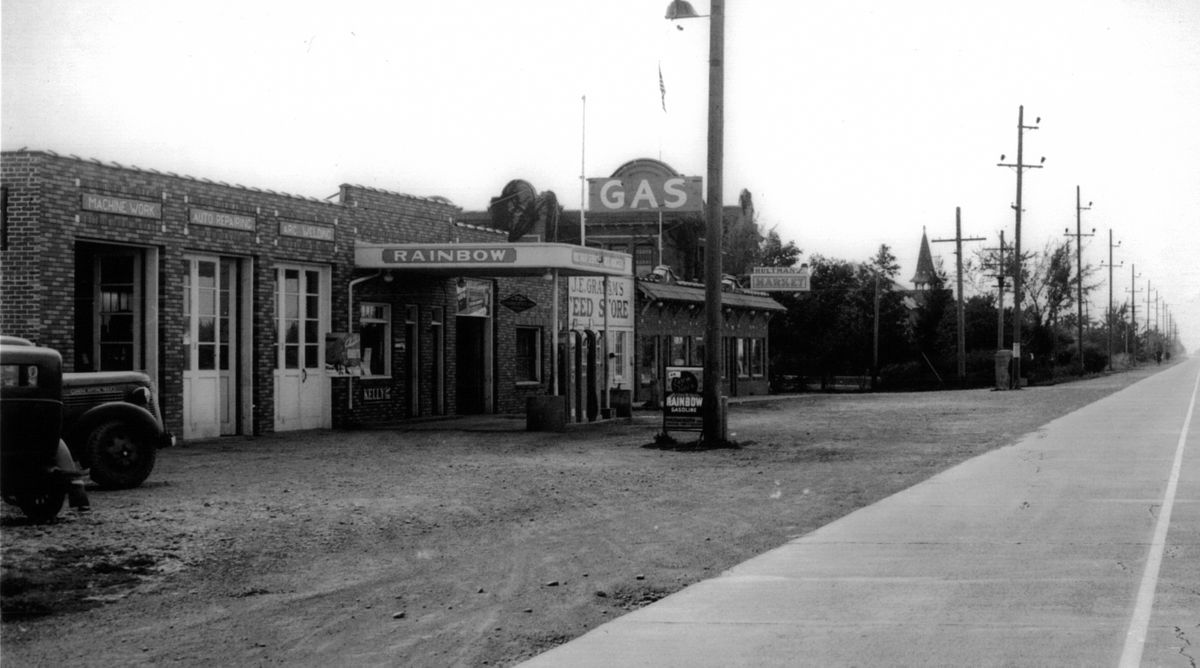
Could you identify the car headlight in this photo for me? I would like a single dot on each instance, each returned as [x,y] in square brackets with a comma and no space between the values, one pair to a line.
[141,396]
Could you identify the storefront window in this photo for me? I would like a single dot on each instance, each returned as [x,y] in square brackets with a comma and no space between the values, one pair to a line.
[529,355]
[679,351]
[648,364]
[643,259]
[375,322]
[757,357]
[697,351]
[743,358]
[116,310]
[619,339]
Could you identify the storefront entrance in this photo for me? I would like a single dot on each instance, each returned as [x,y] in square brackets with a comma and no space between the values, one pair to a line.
[302,388]
[471,365]
[217,327]
[473,346]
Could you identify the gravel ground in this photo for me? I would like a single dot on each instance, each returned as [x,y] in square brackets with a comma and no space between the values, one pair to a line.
[462,542]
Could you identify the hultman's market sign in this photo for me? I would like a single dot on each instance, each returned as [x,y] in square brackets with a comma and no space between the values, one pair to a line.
[779,279]
[677,193]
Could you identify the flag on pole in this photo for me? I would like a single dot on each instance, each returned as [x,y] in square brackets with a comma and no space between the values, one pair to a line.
[662,89]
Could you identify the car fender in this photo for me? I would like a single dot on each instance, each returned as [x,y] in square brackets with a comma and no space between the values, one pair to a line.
[139,419]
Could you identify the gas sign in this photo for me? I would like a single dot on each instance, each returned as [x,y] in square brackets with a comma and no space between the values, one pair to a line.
[677,193]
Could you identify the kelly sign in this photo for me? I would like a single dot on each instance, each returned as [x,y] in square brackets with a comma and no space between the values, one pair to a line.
[677,193]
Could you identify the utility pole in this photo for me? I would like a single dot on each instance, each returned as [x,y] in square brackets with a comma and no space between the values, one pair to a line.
[999,293]
[1110,319]
[1079,275]
[1157,331]
[1150,341]
[962,336]
[1020,167]
[713,414]
[875,336]
[1133,276]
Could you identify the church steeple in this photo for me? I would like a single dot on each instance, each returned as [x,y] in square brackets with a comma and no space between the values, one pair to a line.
[926,277]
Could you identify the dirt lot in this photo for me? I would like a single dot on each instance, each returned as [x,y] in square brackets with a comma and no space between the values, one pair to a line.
[466,542]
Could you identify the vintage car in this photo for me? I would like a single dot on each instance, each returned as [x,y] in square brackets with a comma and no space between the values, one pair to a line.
[111,423]
[30,418]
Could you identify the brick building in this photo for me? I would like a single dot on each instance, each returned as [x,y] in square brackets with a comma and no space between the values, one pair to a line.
[667,248]
[255,311]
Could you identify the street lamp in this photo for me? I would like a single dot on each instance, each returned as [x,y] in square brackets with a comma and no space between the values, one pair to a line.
[713,426]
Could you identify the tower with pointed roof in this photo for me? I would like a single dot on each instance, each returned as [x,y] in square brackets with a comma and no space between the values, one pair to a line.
[926,277]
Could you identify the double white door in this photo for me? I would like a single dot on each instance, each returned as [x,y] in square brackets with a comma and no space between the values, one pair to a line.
[302,388]
[210,299]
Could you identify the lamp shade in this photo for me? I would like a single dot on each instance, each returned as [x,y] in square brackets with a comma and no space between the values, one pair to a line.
[681,9]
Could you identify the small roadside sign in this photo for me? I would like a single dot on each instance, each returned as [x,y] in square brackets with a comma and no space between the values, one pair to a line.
[683,402]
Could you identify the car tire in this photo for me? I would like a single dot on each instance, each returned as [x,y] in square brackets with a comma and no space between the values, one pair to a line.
[119,456]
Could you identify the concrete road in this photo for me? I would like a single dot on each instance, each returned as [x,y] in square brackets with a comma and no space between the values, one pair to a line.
[1077,546]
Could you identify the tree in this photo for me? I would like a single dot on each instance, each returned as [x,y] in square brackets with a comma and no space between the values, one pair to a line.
[884,262]
[777,254]
[742,247]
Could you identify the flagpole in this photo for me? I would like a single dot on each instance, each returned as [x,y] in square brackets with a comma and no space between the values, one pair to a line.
[582,172]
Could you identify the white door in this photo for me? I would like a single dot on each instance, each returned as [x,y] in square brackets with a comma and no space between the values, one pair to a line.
[302,389]
[210,302]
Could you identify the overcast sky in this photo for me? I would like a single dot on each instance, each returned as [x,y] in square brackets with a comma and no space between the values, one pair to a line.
[853,123]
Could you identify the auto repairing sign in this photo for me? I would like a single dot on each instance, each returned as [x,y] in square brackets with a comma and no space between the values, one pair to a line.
[683,403]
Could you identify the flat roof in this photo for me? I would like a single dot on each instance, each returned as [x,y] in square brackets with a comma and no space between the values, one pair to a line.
[492,259]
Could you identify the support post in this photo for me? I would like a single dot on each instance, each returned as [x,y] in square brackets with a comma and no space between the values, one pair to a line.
[713,347]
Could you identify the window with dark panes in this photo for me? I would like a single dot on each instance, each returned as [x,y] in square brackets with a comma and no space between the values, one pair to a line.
[757,357]
[697,351]
[117,323]
[529,354]
[375,321]
[679,351]
[643,259]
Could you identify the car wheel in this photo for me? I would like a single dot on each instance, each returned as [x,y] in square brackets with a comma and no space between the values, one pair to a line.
[119,456]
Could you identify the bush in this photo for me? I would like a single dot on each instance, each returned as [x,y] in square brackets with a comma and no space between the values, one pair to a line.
[1094,359]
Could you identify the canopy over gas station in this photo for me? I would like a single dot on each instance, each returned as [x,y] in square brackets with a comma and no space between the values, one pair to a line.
[492,259]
